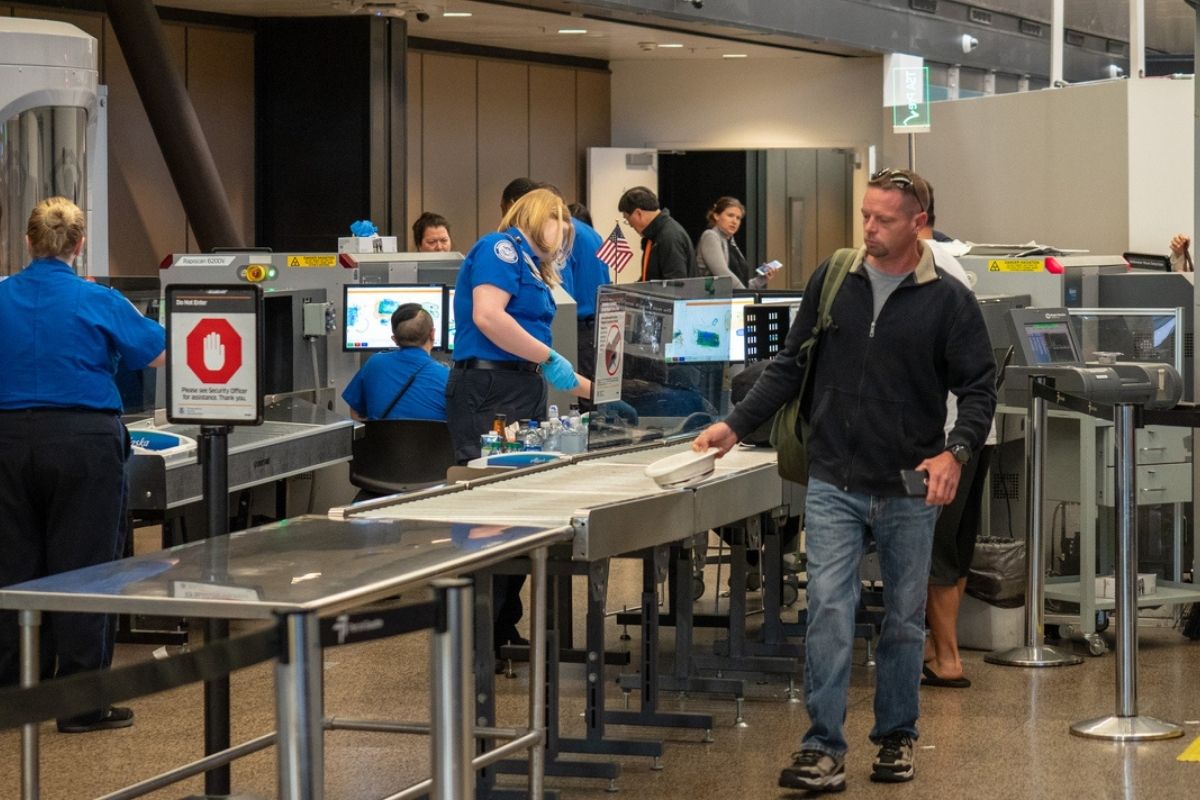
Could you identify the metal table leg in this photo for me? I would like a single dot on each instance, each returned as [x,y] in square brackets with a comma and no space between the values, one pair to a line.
[537,673]
[452,733]
[31,622]
[298,710]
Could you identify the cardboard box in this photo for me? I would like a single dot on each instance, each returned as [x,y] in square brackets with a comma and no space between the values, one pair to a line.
[1106,585]
[367,244]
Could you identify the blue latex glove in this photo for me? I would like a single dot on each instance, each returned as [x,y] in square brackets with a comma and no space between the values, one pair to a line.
[363,228]
[560,373]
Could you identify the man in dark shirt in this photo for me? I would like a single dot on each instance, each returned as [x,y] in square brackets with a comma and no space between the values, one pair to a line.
[667,250]
[904,334]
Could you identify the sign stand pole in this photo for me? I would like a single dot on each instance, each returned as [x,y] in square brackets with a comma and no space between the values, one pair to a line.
[215,380]
[214,461]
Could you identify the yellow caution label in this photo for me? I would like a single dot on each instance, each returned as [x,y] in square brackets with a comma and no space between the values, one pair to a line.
[1192,753]
[312,261]
[1016,265]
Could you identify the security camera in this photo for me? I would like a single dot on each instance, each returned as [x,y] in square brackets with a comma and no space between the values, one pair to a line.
[697,4]
[969,42]
[422,16]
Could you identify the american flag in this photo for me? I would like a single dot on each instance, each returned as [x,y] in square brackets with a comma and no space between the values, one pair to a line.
[615,252]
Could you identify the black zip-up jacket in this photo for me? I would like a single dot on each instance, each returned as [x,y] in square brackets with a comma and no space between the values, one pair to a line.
[671,254]
[878,393]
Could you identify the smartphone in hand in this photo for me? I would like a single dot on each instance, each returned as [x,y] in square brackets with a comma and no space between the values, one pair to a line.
[916,482]
[768,268]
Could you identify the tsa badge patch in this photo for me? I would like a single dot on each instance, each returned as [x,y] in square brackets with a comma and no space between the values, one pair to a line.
[505,251]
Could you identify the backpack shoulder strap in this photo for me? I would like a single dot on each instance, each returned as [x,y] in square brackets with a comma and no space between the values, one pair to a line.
[839,266]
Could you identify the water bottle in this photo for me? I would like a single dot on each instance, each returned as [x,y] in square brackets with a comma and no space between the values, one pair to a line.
[533,436]
[554,430]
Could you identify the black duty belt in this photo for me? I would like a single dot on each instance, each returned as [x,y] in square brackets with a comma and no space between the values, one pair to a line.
[510,366]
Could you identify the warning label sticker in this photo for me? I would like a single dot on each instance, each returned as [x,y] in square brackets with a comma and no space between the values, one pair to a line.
[312,261]
[1016,265]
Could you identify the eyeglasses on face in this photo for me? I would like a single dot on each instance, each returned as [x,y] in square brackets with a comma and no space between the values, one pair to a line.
[902,180]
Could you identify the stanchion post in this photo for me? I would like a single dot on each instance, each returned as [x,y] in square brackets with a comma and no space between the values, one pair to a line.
[452,738]
[299,710]
[214,460]
[1126,725]
[30,674]
[1034,653]
[538,624]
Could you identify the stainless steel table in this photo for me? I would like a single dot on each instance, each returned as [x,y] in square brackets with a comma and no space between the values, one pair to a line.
[296,571]
[614,510]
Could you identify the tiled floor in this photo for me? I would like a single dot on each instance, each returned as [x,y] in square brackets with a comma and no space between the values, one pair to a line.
[1006,737]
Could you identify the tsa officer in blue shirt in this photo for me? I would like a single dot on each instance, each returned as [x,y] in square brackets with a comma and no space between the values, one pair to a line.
[583,275]
[503,308]
[62,444]
[401,384]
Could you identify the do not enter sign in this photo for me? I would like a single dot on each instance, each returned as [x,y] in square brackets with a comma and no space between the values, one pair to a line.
[214,350]
[214,354]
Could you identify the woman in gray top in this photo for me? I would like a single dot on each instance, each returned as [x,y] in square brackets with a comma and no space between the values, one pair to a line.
[718,254]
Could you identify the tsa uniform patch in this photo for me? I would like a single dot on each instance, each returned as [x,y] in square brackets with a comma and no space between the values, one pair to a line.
[505,251]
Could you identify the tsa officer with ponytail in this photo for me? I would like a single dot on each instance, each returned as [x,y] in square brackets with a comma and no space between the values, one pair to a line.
[503,309]
[62,445]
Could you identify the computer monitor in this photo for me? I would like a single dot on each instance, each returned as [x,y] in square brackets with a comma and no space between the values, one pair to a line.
[1051,343]
[768,296]
[701,331]
[368,308]
[792,299]
[766,330]
[737,327]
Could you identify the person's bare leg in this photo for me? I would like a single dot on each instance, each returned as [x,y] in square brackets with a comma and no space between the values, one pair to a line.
[942,611]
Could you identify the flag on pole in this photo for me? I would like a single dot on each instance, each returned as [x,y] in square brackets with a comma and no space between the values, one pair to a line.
[615,252]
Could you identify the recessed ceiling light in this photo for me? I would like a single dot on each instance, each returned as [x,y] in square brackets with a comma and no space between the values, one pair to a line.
[456,13]
[733,55]
[673,45]
[573,31]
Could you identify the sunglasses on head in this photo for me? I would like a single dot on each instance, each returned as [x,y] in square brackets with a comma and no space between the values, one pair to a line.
[902,180]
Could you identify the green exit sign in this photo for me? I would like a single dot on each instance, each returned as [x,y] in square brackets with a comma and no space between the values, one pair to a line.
[910,93]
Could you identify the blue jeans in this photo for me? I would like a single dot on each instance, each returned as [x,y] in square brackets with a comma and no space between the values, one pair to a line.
[837,526]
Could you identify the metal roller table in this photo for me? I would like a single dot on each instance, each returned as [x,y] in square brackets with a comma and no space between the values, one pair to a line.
[614,510]
[297,571]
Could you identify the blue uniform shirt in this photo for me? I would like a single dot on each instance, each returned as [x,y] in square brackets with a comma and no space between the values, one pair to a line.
[584,273]
[504,260]
[379,380]
[64,337]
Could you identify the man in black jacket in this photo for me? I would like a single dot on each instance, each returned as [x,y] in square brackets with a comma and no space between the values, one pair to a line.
[667,250]
[903,335]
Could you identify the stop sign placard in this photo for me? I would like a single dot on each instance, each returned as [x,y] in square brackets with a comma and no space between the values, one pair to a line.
[214,354]
[214,351]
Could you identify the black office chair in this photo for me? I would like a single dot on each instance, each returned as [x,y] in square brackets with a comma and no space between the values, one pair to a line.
[400,455]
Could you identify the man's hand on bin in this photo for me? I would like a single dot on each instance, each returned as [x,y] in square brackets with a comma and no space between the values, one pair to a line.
[719,435]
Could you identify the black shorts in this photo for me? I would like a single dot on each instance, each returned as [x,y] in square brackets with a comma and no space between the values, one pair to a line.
[958,524]
[475,396]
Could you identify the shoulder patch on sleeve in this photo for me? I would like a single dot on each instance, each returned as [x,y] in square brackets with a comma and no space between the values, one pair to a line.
[505,251]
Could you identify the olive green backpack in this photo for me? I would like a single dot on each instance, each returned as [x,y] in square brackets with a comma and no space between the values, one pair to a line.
[790,431]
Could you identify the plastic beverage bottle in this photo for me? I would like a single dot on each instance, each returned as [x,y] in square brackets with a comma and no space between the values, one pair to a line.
[533,436]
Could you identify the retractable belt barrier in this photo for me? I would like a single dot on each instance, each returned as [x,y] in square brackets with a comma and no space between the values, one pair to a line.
[79,694]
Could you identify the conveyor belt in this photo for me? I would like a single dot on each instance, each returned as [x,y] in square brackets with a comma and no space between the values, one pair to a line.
[296,437]
[612,505]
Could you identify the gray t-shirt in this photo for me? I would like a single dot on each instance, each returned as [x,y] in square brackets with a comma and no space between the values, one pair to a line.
[882,286]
